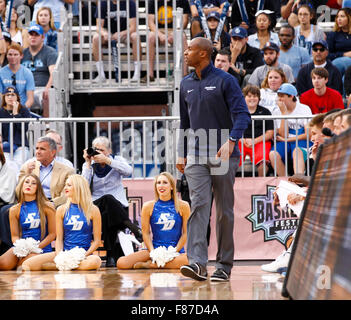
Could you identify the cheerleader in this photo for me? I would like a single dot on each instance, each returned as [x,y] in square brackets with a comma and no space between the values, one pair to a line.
[32,223]
[78,229]
[166,217]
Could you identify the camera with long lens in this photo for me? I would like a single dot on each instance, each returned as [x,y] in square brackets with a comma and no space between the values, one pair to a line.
[91,152]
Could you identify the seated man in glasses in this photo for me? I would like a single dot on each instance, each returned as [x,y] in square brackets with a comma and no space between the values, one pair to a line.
[40,59]
[14,74]
[319,55]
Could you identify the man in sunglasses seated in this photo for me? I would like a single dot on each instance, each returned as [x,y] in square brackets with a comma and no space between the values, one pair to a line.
[14,74]
[40,59]
[319,55]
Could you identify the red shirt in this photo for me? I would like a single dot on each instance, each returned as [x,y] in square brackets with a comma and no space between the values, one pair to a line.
[332,99]
[333,4]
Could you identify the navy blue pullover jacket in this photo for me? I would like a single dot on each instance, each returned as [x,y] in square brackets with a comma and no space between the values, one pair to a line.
[213,102]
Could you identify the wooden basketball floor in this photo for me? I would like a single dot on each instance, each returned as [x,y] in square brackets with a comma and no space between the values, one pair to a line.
[247,282]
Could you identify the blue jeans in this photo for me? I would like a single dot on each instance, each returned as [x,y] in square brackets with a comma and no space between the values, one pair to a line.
[342,64]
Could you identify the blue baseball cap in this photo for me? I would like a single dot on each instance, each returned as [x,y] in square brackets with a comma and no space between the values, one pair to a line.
[322,43]
[239,32]
[213,14]
[10,89]
[287,88]
[272,46]
[36,28]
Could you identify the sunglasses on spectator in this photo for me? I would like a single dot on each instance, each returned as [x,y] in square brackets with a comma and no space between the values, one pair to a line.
[318,49]
[13,77]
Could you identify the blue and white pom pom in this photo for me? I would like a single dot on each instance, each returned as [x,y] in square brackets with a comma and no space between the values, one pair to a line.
[23,247]
[69,259]
[162,255]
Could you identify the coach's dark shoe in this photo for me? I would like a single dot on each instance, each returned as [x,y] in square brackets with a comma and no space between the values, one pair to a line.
[220,276]
[110,262]
[195,271]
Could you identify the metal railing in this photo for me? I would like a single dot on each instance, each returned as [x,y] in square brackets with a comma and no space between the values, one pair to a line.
[82,67]
[148,143]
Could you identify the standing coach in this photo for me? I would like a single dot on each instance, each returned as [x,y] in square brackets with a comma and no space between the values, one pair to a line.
[213,117]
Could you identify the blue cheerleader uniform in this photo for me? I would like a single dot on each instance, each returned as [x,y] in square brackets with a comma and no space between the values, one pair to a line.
[77,232]
[166,225]
[30,222]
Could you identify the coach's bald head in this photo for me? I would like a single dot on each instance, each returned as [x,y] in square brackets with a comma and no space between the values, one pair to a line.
[198,54]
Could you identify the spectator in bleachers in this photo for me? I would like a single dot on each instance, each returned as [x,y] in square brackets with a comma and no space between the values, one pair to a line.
[4,43]
[244,58]
[289,8]
[17,75]
[259,144]
[55,5]
[18,35]
[269,87]
[244,15]
[264,31]
[289,105]
[164,15]
[270,57]
[53,174]
[345,122]
[295,57]
[46,20]
[339,41]
[321,99]
[105,174]
[207,6]
[222,61]
[319,56]
[40,59]
[224,40]
[328,121]
[11,107]
[307,32]
[104,18]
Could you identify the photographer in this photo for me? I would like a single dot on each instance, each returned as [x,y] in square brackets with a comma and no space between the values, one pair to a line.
[104,173]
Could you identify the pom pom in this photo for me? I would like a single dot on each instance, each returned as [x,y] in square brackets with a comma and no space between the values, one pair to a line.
[23,247]
[162,255]
[69,259]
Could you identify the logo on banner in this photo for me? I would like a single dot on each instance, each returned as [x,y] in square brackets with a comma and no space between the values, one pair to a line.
[277,223]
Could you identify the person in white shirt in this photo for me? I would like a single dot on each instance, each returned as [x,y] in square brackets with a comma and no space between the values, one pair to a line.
[105,172]
[291,133]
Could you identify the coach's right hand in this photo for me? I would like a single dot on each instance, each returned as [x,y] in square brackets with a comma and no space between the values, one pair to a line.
[180,165]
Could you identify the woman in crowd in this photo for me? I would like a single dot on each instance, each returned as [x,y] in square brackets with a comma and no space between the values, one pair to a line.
[166,217]
[78,224]
[12,108]
[264,32]
[33,217]
[339,41]
[46,20]
[307,31]
[17,34]
[271,83]
[104,173]
[256,144]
